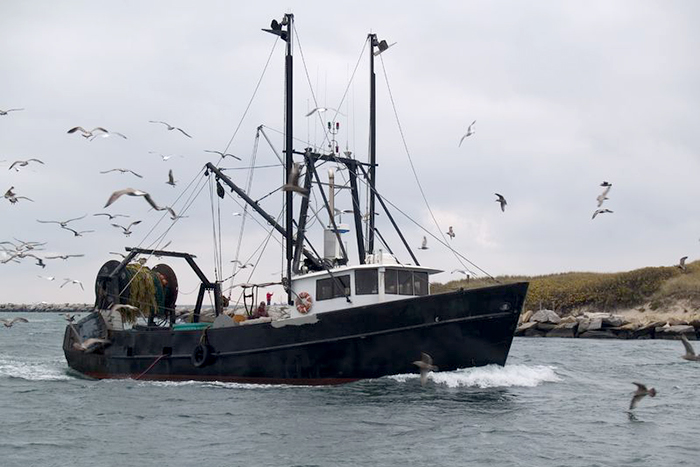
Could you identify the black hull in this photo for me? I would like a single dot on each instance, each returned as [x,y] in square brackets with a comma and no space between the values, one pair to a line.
[458,329]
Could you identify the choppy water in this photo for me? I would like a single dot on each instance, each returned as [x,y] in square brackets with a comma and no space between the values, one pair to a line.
[556,402]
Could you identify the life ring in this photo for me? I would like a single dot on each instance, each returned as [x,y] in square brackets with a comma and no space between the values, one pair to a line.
[304,302]
[201,355]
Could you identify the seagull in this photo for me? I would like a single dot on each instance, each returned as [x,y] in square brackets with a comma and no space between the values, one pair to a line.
[172,213]
[89,345]
[63,257]
[689,351]
[501,200]
[132,192]
[5,112]
[606,184]
[600,211]
[293,184]
[50,278]
[72,281]
[223,154]
[469,133]
[236,214]
[17,164]
[461,271]
[425,364]
[603,196]
[63,224]
[122,171]
[13,198]
[170,127]
[108,134]
[76,233]
[87,134]
[127,230]
[640,393]
[171,180]
[424,244]
[68,317]
[681,264]
[118,254]
[9,322]
[111,216]
[39,261]
[450,233]
[323,109]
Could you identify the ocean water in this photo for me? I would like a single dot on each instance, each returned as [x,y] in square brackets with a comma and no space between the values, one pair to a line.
[558,402]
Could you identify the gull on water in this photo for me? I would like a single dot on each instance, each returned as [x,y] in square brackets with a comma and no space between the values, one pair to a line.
[293,184]
[425,364]
[5,112]
[424,244]
[132,192]
[127,230]
[223,154]
[63,224]
[122,171]
[502,200]
[170,127]
[640,393]
[171,179]
[468,133]
[450,232]
[72,281]
[689,351]
[681,264]
[10,322]
[17,164]
[600,211]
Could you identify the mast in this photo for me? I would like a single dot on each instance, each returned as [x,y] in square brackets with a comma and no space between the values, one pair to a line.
[372,142]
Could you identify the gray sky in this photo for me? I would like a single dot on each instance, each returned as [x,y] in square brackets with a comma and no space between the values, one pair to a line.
[565,94]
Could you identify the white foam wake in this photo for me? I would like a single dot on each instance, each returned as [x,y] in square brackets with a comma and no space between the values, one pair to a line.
[33,370]
[490,376]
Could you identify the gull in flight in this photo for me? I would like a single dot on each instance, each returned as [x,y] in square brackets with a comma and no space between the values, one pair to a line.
[600,211]
[468,133]
[76,233]
[425,364]
[132,192]
[63,257]
[293,184]
[171,179]
[9,322]
[606,183]
[640,393]
[424,244]
[689,351]
[13,198]
[63,224]
[94,133]
[461,271]
[170,127]
[502,200]
[122,171]
[223,154]
[49,278]
[173,215]
[72,281]
[17,164]
[681,264]
[127,230]
[89,345]
[323,109]
[450,233]
[5,112]
[111,216]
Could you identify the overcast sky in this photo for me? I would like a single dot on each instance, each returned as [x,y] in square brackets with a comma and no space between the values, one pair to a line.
[565,95]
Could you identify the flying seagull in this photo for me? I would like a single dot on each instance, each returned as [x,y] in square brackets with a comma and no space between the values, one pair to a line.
[111,216]
[172,213]
[681,264]
[606,184]
[76,233]
[5,112]
[132,192]
[89,345]
[293,184]
[501,200]
[63,257]
[63,224]
[17,164]
[604,195]
[424,244]
[9,322]
[461,271]
[689,351]
[323,109]
[600,211]
[72,281]
[127,230]
[468,133]
[12,197]
[88,133]
[223,154]
[450,233]
[171,180]
[170,127]
[425,364]
[640,393]
[50,278]
[122,171]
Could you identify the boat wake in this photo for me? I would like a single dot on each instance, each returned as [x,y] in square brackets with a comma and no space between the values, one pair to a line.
[490,376]
[39,370]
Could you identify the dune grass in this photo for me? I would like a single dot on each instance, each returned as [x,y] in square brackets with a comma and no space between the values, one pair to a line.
[601,291]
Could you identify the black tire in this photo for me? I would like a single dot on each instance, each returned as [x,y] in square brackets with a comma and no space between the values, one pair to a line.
[202,355]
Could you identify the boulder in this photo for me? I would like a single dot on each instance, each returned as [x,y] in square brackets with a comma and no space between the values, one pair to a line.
[546,327]
[597,335]
[595,324]
[613,321]
[564,330]
[546,316]
[520,331]
[525,317]
[673,332]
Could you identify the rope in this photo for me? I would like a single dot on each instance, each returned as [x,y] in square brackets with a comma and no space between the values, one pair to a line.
[151,366]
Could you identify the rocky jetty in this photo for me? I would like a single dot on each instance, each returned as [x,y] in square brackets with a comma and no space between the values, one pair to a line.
[45,307]
[547,323]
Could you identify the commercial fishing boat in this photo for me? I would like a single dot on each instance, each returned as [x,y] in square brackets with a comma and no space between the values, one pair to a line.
[340,322]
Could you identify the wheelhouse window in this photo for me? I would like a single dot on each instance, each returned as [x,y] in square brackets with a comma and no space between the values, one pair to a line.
[366,282]
[391,281]
[403,282]
[420,283]
[332,287]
